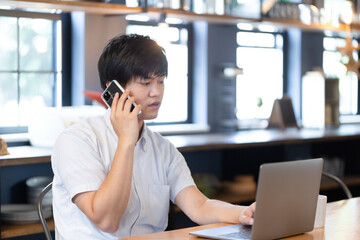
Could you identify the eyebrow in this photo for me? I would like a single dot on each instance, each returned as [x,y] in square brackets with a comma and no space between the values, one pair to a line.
[152,77]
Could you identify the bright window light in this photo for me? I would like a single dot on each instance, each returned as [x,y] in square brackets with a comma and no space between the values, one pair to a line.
[261,59]
[174,40]
[137,17]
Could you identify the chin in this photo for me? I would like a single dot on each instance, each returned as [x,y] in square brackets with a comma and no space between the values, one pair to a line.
[149,116]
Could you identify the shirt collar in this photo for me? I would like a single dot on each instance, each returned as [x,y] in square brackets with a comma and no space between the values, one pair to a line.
[143,135]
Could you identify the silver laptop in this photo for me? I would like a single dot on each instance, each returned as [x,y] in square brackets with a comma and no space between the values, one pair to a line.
[286,202]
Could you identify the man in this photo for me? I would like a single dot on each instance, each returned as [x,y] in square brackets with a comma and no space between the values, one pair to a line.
[113,177]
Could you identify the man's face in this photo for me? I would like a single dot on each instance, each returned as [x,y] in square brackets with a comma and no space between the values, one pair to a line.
[148,93]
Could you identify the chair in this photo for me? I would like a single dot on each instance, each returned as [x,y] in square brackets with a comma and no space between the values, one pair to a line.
[340,182]
[40,211]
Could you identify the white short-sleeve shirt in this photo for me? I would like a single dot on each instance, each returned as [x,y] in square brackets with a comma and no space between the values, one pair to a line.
[82,158]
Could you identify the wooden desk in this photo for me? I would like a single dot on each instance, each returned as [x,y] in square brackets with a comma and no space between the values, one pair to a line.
[342,222]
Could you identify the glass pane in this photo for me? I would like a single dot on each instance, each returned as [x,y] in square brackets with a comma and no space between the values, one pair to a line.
[255,39]
[159,34]
[36,91]
[348,93]
[8,100]
[8,43]
[331,44]
[279,41]
[36,44]
[174,105]
[253,98]
[333,67]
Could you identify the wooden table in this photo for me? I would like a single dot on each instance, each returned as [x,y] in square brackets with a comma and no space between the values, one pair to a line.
[342,222]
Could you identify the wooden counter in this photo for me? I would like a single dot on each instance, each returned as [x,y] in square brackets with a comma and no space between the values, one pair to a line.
[342,222]
[202,142]
[256,138]
[25,155]
[211,141]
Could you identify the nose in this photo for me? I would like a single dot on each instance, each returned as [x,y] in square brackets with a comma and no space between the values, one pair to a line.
[155,90]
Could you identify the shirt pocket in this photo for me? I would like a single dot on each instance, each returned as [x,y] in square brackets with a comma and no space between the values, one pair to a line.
[159,202]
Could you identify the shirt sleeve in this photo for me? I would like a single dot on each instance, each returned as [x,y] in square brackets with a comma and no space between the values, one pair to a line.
[178,173]
[77,164]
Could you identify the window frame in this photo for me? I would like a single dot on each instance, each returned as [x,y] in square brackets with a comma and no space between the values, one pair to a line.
[284,70]
[28,14]
[349,115]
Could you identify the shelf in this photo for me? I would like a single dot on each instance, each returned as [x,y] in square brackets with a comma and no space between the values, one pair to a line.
[288,23]
[8,231]
[69,6]
[191,16]
[94,7]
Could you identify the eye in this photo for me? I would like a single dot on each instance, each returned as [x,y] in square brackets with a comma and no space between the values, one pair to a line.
[146,83]
[161,80]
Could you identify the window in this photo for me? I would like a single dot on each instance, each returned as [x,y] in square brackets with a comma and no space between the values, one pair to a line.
[260,55]
[30,69]
[333,67]
[174,39]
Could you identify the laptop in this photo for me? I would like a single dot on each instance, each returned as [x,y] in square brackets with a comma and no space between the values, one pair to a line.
[286,201]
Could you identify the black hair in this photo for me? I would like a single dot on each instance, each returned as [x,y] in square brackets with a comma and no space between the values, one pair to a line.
[128,56]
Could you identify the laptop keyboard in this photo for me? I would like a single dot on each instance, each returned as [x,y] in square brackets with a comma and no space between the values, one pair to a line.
[238,235]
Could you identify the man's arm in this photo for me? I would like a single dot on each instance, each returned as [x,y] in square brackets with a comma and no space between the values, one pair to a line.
[106,206]
[202,210]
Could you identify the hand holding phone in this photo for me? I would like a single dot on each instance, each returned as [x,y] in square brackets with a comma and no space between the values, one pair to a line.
[108,95]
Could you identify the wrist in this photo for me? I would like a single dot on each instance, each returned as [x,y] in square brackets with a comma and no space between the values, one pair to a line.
[124,152]
[126,145]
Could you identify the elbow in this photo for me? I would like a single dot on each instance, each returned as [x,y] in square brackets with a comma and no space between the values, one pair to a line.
[109,229]
[109,222]
[108,226]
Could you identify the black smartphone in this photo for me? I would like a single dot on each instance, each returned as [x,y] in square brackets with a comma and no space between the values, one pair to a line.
[108,95]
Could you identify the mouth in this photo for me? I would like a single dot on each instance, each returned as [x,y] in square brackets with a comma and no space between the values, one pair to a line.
[155,105]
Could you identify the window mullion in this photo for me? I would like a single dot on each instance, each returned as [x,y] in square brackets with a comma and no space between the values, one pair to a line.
[18,69]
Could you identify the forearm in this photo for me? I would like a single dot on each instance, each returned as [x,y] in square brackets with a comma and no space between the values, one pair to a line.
[202,210]
[212,211]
